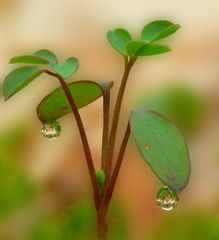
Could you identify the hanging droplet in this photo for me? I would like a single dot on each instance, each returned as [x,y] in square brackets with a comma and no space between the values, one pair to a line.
[167,198]
[51,130]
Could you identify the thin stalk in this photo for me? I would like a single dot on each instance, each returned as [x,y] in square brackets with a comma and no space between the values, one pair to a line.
[111,185]
[83,137]
[116,114]
[102,227]
[105,135]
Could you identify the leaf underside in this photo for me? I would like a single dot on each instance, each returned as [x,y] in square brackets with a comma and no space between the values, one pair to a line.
[162,147]
[29,59]
[56,105]
[18,79]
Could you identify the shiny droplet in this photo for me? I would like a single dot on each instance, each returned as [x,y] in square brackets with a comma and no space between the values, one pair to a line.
[167,198]
[51,130]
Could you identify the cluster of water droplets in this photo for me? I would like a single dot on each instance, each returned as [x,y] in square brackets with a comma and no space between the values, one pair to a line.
[51,130]
[167,199]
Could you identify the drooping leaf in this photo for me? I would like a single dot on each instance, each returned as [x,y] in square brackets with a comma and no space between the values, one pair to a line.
[133,46]
[29,59]
[18,79]
[47,55]
[119,38]
[67,68]
[56,105]
[157,30]
[152,49]
[162,147]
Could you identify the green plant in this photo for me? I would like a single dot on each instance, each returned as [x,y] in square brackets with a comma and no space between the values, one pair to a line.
[159,142]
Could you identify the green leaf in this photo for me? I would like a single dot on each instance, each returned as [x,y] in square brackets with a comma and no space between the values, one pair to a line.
[152,49]
[67,68]
[55,105]
[119,38]
[29,59]
[18,79]
[133,46]
[157,30]
[47,55]
[162,147]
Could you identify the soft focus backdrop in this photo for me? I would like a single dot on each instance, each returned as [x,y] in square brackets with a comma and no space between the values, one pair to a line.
[44,186]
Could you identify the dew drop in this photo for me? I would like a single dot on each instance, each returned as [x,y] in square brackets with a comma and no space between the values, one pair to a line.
[51,130]
[167,199]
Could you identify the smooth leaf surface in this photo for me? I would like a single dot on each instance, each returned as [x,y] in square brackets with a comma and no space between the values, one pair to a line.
[18,79]
[152,49]
[119,38]
[46,55]
[67,68]
[56,105]
[133,47]
[157,30]
[162,147]
[29,59]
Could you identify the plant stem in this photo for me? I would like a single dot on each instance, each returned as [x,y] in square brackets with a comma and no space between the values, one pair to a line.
[102,227]
[111,185]
[105,135]
[116,114]
[83,137]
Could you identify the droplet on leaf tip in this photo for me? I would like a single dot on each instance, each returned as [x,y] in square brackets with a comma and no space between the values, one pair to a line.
[167,199]
[51,130]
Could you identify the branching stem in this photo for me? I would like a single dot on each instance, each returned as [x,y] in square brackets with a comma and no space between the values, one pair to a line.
[116,114]
[83,137]
[112,182]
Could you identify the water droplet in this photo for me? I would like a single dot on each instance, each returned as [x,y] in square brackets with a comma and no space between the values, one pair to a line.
[51,130]
[167,198]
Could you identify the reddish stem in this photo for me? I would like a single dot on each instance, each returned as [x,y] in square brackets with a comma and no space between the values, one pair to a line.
[83,137]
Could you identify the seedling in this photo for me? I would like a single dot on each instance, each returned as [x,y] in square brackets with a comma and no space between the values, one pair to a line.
[159,142]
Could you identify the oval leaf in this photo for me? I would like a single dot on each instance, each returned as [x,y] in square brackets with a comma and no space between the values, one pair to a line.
[119,38]
[18,79]
[152,49]
[29,59]
[162,147]
[67,68]
[47,55]
[56,105]
[157,30]
[133,47]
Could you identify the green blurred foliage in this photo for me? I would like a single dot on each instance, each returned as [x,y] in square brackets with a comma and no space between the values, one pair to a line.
[80,223]
[184,106]
[192,225]
[16,188]
[47,229]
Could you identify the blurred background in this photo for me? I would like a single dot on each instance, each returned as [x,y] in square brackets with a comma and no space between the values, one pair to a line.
[44,185]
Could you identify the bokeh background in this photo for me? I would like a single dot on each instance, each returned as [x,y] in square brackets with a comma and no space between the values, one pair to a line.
[44,186]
